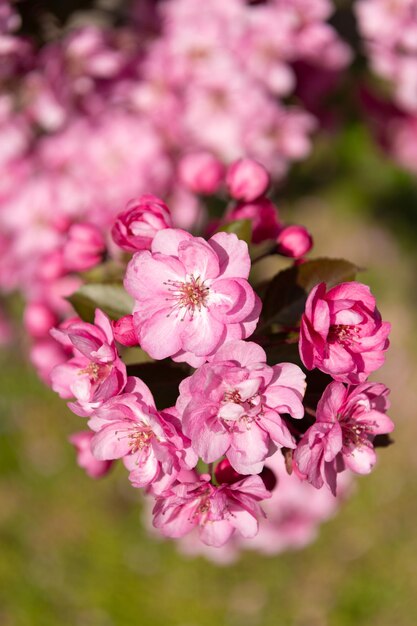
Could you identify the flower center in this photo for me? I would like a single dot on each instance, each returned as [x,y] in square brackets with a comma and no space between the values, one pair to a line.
[139,439]
[343,333]
[354,433]
[95,371]
[187,296]
[252,409]
[232,396]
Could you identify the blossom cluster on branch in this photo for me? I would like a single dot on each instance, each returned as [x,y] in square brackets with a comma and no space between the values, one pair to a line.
[139,161]
[211,376]
[389,40]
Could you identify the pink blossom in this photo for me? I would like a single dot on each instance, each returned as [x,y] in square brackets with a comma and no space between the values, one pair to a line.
[39,319]
[293,517]
[294,241]
[295,511]
[135,228]
[342,333]
[217,511]
[85,459]
[152,447]
[234,406]
[201,172]
[263,215]
[389,30]
[95,373]
[347,421]
[84,247]
[191,295]
[247,180]
[124,331]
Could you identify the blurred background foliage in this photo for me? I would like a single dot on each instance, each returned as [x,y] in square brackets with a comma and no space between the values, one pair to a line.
[74,552]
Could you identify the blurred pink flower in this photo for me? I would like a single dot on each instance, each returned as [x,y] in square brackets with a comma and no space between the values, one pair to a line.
[201,172]
[263,216]
[247,180]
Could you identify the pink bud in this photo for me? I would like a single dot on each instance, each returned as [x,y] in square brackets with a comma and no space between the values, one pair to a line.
[39,319]
[263,215]
[294,241]
[124,331]
[51,266]
[225,473]
[135,228]
[84,248]
[247,180]
[201,172]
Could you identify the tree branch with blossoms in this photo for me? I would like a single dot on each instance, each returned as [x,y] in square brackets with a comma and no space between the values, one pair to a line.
[181,358]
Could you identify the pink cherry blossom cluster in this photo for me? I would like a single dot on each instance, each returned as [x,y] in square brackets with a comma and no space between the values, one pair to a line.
[242,430]
[390,32]
[98,115]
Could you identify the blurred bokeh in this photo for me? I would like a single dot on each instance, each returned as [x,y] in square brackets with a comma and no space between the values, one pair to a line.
[75,552]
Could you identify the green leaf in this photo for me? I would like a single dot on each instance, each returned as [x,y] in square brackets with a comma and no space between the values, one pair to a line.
[110,298]
[286,294]
[241,228]
[163,378]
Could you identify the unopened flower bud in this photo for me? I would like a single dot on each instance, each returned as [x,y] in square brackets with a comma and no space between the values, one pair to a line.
[124,331]
[264,217]
[294,241]
[247,180]
[84,248]
[135,228]
[201,172]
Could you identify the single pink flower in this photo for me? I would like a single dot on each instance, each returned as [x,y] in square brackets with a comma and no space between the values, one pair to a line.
[39,319]
[191,296]
[247,180]
[85,459]
[124,331]
[135,228]
[342,333]
[341,438]
[84,248]
[201,172]
[217,511]
[234,406]
[95,373]
[151,444]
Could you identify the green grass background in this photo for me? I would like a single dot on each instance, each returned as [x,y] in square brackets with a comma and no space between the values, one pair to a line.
[74,552]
